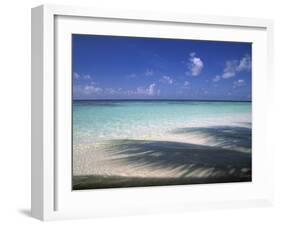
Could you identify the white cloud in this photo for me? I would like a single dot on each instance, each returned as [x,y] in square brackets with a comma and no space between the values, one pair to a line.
[232,67]
[79,76]
[238,83]
[140,91]
[244,64]
[114,91]
[90,89]
[148,91]
[151,89]
[76,75]
[93,90]
[149,72]
[216,78]
[186,86]
[166,80]
[110,91]
[87,77]
[87,90]
[192,54]
[195,65]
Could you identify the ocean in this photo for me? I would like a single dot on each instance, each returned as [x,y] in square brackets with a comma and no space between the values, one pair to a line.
[124,143]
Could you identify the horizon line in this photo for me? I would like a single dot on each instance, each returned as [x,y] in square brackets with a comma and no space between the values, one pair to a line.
[116,99]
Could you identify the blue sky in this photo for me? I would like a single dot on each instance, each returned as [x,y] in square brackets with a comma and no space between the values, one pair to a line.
[111,67]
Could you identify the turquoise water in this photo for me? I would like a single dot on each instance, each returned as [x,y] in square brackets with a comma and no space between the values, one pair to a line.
[96,121]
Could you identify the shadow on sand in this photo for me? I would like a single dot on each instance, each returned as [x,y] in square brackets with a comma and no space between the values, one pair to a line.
[194,164]
[232,137]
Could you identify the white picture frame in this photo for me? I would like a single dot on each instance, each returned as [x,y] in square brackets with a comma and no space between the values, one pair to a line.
[52,197]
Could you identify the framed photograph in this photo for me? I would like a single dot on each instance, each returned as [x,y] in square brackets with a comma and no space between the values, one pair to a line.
[137,112]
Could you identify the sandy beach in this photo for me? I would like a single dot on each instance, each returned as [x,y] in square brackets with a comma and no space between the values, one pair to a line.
[194,155]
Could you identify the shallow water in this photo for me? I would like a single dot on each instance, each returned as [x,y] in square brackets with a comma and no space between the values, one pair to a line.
[95,121]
